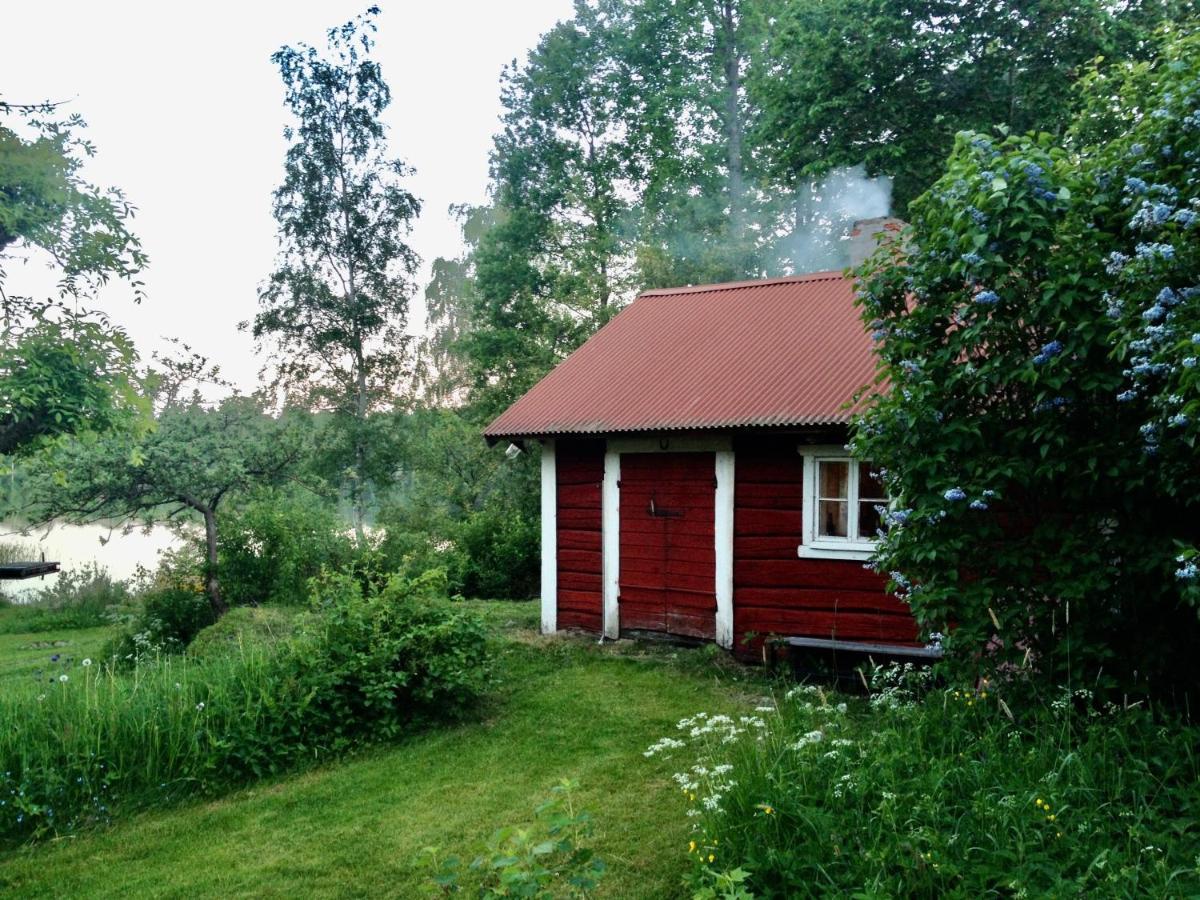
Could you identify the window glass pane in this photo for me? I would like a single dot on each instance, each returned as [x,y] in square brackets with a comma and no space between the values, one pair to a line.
[834,476]
[869,488]
[868,519]
[832,518]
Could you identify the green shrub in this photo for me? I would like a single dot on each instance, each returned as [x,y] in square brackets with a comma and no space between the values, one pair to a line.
[940,795]
[269,548]
[365,666]
[77,598]
[372,660]
[164,620]
[1050,288]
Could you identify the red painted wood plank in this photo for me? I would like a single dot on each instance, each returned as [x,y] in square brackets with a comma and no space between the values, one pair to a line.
[580,561]
[633,581]
[578,539]
[766,547]
[815,623]
[820,598]
[745,492]
[635,545]
[805,573]
[588,519]
[750,522]
[698,625]
[648,526]
[570,619]
[580,581]
[580,600]
[578,496]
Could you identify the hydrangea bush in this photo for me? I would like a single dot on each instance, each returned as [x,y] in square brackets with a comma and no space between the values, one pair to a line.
[1038,333]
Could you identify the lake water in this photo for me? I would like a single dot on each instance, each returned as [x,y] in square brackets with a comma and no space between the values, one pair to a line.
[77,545]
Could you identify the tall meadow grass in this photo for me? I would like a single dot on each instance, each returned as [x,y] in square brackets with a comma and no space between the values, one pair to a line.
[949,793]
[84,741]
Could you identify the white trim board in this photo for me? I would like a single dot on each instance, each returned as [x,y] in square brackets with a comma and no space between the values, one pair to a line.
[610,519]
[549,539]
[723,535]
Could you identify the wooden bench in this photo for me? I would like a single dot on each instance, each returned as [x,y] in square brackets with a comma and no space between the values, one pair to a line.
[929,651]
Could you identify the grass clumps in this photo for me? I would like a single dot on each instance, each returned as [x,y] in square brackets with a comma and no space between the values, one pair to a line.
[939,794]
[77,598]
[369,664]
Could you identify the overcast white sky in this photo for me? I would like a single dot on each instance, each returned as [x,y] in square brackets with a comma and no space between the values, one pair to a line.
[186,111]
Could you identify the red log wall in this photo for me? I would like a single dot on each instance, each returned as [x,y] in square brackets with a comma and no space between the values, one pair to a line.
[580,476]
[776,592]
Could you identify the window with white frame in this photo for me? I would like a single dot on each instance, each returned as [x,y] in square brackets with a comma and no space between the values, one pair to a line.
[841,501]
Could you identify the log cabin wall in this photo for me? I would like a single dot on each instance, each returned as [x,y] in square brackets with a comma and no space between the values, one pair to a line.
[579,476]
[776,592]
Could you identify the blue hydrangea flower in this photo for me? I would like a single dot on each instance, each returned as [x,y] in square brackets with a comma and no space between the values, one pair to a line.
[1155,251]
[1049,351]
[1115,262]
[1186,217]
[1126,396]
[955,494]
[1188,362]
[986,298]
[972,259]
[979,504]
[1187,572]
[1178,421]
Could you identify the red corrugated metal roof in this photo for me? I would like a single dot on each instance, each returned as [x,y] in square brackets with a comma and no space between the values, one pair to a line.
[782,352]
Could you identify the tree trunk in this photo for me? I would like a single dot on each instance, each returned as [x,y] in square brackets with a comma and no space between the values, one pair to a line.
[211,585]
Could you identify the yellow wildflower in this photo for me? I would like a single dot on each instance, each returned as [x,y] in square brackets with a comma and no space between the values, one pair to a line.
[711,858]
[691,846]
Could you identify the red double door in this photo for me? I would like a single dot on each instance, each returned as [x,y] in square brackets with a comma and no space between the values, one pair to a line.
[668,555]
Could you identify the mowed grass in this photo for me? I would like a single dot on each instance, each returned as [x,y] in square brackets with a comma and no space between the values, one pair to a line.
[564,708]
[25,655]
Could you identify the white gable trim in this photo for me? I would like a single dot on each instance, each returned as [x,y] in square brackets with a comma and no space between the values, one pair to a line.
[610,519]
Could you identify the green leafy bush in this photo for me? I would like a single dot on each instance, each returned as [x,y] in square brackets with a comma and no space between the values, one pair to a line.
[1037,438]
[272,545]
[365,666]
[77,598]
[931,793]
[241,626]
[372,660]
[164,619]
[546,861]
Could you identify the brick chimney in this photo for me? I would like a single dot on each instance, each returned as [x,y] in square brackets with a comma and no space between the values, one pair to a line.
[867,234]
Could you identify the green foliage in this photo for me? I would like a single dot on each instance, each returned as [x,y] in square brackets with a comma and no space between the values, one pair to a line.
[65,376]
[162,620]
[274,542]
[940,794]
[463,507]
[189,464]
[62,370]
[262,626]
[1043,297]
[546,861]
[88,739]
[76,598]
[337,304]
[375,659]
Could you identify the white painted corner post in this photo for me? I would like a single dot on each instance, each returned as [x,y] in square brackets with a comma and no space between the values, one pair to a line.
[610,506]
[723,533]
[549,539]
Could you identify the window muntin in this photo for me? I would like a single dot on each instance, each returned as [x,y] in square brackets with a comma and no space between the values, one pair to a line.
[841,497]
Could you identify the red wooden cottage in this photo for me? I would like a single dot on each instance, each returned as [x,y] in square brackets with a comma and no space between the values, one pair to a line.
[695,480]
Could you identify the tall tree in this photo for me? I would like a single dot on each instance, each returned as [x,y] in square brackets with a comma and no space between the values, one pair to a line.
[888,83]
[337,305]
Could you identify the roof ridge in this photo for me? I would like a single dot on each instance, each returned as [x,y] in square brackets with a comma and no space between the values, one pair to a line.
[829,275]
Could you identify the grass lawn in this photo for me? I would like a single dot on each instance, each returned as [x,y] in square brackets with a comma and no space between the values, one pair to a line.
[565,707]
[24,655]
